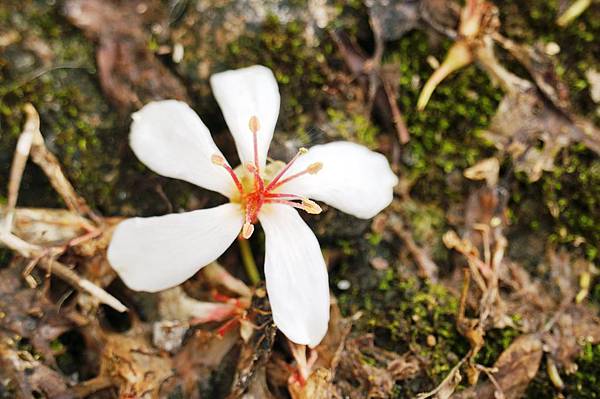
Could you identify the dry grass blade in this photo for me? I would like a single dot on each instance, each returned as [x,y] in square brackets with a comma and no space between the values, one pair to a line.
[51,167]
[447,386]
[32,125]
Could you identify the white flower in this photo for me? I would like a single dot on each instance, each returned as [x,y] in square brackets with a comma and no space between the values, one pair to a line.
[156,253]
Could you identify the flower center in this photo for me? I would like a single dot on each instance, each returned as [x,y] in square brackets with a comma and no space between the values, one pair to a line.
[260,191]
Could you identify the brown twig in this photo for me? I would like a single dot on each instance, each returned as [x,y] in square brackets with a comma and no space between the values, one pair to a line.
[32,125]
[60,270]
[427,267]
[375,63]
[31,139]
[51,167]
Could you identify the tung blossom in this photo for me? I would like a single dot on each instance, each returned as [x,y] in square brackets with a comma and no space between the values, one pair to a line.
[156,253]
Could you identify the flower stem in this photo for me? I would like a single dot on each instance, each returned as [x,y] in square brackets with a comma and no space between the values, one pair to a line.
[248,259]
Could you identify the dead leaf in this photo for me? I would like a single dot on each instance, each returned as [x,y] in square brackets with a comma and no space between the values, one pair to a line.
[486,169]
[447,386]
[318,386]
[136,368]
[516,366]
[356,377]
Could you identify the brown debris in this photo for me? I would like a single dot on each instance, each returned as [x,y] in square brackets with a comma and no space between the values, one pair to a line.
[46,257]
[129,73]
[132,365]
[256,351]
[530,111]
[427,267]
[516,367]
[29,374]
[378,380]
[375,80]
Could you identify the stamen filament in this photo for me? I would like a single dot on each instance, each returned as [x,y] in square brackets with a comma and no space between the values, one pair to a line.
[259,184]
[227,326]
[307,205]
[285,202]
[254,126]
[287,179]
[273,183]
[220,161]
[282,195]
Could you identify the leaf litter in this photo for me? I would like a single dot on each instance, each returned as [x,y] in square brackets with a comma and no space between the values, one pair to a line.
[221,340]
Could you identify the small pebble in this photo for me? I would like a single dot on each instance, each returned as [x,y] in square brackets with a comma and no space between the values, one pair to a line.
[379,263]
[178,52]
[552,48]
[431,341]
[343,285]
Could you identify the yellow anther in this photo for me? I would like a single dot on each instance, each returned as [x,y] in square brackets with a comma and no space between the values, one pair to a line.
[247,230]
[302,151]
[254,124]
[311,206]
[314,167]
[217,159]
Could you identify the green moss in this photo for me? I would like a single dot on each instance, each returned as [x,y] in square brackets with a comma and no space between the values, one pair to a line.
[402,312]
[76,120]
[445,137]
[87,135]
[352,127]
[571,191]
[299,68]
[535,21]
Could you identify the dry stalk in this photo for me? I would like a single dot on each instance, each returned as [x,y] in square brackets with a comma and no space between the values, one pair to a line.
[31,142]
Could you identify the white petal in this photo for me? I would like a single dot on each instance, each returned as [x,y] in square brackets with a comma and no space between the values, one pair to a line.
[353,178]
[296,276]
[241,94]
[156,253]
[169,138]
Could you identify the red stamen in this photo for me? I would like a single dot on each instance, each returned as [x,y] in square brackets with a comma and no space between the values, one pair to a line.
[287,179]
[259,184]
[220,161]
[254,126]
[282,195]
[256,152]
[217,296]
[310,169]
[228,326]
[237,182]
[273,182]
[285,202]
